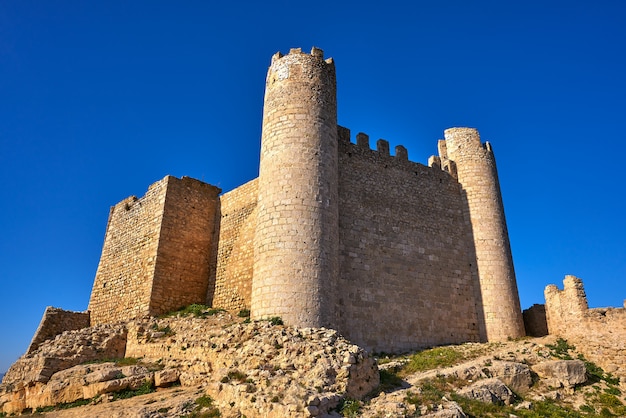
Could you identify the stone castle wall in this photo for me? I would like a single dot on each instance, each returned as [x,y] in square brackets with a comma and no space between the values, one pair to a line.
[405,252]
[474,165]
[600,333]
[296,240]
[184,253]
[535,321]
[123,280]
[156,251]
[394,254]
[231,280]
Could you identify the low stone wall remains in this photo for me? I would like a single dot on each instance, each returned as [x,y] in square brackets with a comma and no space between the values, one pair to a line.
[600,333]
[54,322]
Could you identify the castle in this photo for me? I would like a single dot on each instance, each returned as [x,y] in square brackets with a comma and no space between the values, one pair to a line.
[393,254]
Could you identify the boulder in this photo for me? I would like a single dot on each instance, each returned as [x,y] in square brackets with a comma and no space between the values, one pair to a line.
[489,391]
[562,373]
[165,378]
[516,376]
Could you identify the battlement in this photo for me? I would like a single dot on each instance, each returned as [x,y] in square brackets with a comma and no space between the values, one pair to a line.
[362,142]
[315,52]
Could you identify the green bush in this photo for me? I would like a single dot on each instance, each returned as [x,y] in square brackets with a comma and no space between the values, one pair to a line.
[276,320]
[350,408]
[145,388]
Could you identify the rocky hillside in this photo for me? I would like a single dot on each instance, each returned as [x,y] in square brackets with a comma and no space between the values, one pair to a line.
[206,363]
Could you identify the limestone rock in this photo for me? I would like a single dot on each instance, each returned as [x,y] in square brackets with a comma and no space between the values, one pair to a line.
[254,369]
[562,373]
[65,351]
[489,391]
[448,409]
[515,375]
[164,378]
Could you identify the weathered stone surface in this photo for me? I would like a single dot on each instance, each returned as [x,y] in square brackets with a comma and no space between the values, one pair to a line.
[279,392]
[262,369]
[156,252]
[489,391]
[54,322]
[562,373]
[165,378]
[599,333]
[516,376]
[447,409]
[67,350]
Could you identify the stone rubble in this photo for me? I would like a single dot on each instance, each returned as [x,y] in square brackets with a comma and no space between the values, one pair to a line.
[258,369]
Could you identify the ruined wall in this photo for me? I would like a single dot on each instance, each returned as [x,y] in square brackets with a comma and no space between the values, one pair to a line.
[54,322]
[231,283]
[406,279]
[600,333]
[156,251]
[535,322]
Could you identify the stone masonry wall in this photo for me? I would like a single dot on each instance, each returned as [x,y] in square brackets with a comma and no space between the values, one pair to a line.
[231,284]
[296,240]
[600,333]
[181,274]
[156,251]
[535,322]
[475,167]
[123,282]
[405,279]
[54,322]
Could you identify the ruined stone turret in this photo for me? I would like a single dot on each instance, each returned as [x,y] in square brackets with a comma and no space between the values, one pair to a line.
[296,239]
[473,163]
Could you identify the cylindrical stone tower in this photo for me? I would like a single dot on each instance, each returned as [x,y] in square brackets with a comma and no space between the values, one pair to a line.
[296,240]
[477,174]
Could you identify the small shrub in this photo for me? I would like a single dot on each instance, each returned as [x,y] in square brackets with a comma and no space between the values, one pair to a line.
[244,313]
[613,403]
[127,361]
[197,310]
[235,375]
[65,405]
[587,409]
[412,399]
[204,401]
[144,389]
[561,349]
[123,361]
[165,330]
[350,408]
[276,320]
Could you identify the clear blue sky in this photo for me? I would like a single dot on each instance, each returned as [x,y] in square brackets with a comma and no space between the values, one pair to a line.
[100,99]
